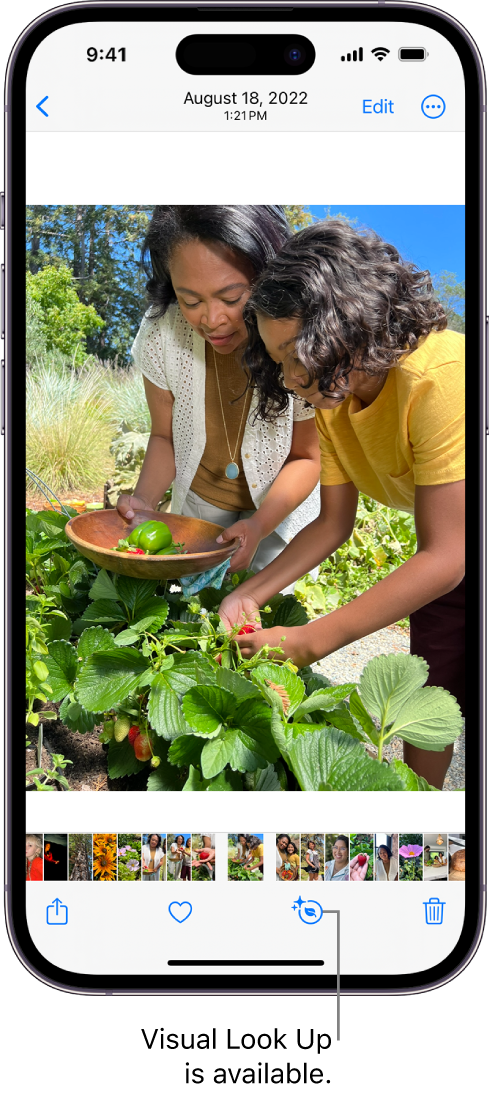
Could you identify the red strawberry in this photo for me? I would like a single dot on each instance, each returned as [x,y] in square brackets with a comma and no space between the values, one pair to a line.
[133,734]
[217,658]
[136,551]
[247,630]
[142,748]
[361,859]
[204,853]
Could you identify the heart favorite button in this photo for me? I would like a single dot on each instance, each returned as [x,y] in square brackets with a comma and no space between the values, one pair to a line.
[180,911]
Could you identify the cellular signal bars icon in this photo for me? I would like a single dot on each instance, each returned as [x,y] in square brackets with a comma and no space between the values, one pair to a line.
[356,55]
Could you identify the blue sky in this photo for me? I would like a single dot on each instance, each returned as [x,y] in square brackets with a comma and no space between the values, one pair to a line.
[430,236]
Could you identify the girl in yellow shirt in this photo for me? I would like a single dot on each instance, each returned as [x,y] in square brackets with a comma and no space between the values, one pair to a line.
[340,320]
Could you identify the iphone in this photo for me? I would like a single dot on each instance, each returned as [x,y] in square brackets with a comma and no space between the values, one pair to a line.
[235,270]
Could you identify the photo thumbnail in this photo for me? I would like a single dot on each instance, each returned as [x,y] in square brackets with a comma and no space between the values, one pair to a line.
[337,858]
[80,857]
[153,857]
[245,856]
[288,857]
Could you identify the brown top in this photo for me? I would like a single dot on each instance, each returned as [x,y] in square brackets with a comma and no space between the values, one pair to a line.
[210,481]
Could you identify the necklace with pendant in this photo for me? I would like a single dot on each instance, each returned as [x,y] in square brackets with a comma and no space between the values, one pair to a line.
[232,470]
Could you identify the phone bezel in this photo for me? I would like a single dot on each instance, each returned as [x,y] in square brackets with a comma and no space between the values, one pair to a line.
[14,482]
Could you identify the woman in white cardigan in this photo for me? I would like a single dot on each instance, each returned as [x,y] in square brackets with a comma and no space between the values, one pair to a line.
[257,479]
[153,857]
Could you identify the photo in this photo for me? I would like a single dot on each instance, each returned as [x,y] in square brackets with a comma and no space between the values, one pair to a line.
[34,857]
[153,857]
[337,858]
[435,857]
[55,857]
[246,856]
[128,857]
[457,865]
[410,856]
[203,857]
[386,857]
[179,857]
[312,856]
[194,374]
[104,857]
[361,857]
[288,848]
[80,857]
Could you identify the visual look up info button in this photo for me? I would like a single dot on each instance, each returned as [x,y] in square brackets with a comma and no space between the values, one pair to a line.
[378,106]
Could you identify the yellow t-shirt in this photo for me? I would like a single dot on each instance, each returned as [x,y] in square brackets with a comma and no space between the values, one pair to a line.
[413,432]
[257,853]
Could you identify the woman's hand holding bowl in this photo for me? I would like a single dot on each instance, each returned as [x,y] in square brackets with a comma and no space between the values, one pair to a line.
[249,537]
[128,504]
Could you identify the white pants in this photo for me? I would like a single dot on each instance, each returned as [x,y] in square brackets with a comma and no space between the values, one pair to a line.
[268,549]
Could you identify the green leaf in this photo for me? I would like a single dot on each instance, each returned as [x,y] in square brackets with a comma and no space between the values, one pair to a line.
[388,681]
[289,614]
[194,782]
[185,750]
[244,756]
[359,713]
[225,782]
[314,681]
[94,639]
[41,670]
[126,638]
[108,677]
[57,627]
[411,782]
[281,733]
[342,718]
[237,684]
[206,708]
[165,778]
[103,588]
[121,759]
[216,753]
[76,717]
[431,719]
[324,700]
[151,615]
[164,711]
[62,663]
[280,675]
[134,592]
[267,780]
[104,612]
[329,760]
[254,718]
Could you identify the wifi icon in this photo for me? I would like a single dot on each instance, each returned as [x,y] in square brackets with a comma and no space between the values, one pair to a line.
[380,52]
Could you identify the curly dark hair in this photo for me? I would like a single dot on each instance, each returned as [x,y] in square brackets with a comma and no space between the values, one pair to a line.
[356,298]
[390,854]
[256,233]
[150,835]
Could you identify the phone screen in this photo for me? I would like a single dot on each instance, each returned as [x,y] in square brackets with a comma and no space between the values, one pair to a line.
[245,311]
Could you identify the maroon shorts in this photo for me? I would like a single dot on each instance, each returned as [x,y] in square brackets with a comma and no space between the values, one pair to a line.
[437,633]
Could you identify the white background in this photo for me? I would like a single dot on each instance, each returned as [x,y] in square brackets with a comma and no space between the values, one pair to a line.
[435,1042]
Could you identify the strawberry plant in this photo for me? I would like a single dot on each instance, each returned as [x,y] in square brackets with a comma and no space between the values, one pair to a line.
[177,698]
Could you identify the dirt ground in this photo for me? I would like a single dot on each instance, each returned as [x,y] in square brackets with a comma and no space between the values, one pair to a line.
[36,501]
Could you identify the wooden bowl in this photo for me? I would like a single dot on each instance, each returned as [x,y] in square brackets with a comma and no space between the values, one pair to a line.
[96,533]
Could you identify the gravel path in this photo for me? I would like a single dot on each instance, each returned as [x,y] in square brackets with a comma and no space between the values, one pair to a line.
[348,663]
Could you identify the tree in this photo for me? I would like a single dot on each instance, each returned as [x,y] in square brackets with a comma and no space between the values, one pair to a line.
[101,246]
[57,314]
[298,216]
[451,294]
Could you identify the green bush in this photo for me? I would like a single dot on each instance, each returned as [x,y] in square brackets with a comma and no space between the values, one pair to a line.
[69,428]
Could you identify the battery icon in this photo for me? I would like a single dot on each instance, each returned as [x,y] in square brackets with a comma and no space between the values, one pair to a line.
[412,54]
